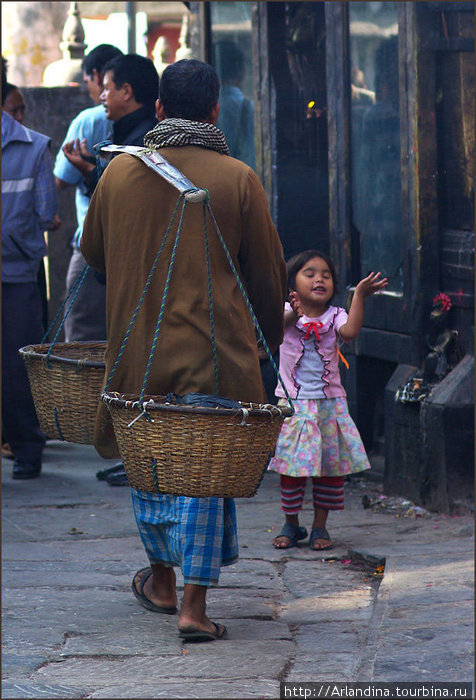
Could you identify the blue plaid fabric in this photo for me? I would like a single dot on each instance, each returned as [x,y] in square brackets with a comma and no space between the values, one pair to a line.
[197,534]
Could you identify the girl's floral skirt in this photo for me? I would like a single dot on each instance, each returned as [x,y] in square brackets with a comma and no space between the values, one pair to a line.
[320,439]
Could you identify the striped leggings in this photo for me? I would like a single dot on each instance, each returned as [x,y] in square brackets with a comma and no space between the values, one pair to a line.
[327,492]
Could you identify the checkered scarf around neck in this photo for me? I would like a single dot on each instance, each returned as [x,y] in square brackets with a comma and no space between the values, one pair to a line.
[182,132]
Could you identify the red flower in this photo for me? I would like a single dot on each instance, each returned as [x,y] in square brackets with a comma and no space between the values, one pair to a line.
[443,300]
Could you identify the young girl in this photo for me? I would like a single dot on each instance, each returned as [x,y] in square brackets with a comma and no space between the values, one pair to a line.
[320,440]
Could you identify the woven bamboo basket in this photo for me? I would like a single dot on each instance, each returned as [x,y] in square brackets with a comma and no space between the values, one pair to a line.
[192,450]
[66,387]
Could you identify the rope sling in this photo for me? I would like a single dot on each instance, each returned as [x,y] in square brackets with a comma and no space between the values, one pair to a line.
[223,464]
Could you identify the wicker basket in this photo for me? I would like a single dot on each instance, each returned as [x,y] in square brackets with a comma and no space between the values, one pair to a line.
[191,450]
[66,388]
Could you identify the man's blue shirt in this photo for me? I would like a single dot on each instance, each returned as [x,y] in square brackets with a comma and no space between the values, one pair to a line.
[90,124]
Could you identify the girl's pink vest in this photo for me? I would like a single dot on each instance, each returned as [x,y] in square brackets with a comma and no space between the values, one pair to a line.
[290,352]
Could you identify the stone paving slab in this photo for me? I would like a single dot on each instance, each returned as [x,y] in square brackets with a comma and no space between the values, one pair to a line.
[349,605]
[454,613]
[172,689]
[432,594]
[452,667]
[253,663]
[21,665]
[74,611]
[428,642]
[323,667]
[317,577]
[338,637]
[21,637]
[85,521]
[103,549]
[123,643]
[22,689]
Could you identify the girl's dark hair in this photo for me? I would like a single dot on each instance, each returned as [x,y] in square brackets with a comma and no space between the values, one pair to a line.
[298,261]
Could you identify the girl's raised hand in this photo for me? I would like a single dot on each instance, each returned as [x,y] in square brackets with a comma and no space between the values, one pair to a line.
[371,284]
[295,304]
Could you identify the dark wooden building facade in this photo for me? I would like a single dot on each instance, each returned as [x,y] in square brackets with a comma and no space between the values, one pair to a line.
[364,139]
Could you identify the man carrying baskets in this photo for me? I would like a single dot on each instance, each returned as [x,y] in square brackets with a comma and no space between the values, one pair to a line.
[124,228]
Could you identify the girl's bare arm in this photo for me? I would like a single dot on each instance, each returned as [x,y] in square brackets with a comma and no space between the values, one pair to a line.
[366,287]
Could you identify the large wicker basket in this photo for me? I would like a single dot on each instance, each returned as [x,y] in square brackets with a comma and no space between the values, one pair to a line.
[66,387]
[191,450]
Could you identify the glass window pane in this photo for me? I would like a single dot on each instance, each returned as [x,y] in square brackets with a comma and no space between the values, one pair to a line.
[231,57]
[375,138]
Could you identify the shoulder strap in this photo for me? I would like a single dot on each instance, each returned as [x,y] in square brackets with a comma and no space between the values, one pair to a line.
[161,165]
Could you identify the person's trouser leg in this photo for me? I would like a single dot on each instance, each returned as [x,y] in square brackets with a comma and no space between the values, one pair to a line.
[87,317]
[328,492]
[21,325]
[292,493]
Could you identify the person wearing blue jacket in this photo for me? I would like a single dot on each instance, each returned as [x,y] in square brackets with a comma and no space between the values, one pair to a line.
[29,204]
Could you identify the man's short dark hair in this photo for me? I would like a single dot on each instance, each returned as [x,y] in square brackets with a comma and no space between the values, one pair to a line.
[98,57]
[189,89]
[141,75]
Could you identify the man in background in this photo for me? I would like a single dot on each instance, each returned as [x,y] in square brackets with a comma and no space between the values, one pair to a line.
[87,318]
[29,204]
[130,88]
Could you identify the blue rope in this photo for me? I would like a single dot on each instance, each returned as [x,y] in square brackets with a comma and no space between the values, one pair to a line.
[147,285]
[78,281]
[248,304]
[82,277]
[210,299]
[164,299]
[206,206]
[61,437]
[154,474]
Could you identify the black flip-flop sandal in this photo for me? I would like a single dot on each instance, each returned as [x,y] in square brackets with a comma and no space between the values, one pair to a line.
[142,598]
[191,634]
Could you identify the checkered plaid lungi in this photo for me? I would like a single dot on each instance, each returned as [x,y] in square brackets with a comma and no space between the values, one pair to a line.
[197,534]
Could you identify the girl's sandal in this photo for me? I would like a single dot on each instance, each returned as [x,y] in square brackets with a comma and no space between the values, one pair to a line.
[320,533]
[293,533]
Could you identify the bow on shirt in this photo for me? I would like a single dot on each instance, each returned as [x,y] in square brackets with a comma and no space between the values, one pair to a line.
[312,326]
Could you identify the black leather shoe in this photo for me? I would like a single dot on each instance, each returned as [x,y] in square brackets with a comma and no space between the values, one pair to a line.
[26,470]
[118,479]
[105,473]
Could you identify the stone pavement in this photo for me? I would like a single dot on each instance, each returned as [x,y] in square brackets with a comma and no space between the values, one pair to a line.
[72,628]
